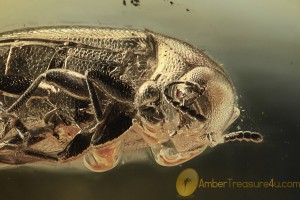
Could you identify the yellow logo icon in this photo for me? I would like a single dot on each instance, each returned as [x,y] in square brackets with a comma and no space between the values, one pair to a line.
[187,182]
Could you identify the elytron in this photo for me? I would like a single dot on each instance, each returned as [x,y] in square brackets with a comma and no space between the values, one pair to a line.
[92,93]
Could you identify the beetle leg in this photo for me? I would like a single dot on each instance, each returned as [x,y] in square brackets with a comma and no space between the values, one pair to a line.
[83,139]
[116,89]
[147,102]
[94,99]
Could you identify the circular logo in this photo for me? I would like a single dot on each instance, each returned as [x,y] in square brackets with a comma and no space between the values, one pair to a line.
[187,182]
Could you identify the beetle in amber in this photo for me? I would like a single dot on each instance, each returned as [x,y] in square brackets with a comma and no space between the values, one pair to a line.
[93,93]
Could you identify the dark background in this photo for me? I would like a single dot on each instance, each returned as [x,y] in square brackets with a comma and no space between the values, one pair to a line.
[258,43]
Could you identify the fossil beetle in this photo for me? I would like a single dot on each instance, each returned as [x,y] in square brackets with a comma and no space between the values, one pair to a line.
[70,92]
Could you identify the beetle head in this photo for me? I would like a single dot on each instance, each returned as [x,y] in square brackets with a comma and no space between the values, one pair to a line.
[201,102]
[205,101]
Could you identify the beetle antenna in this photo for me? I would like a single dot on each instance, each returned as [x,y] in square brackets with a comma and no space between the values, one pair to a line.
[247,136]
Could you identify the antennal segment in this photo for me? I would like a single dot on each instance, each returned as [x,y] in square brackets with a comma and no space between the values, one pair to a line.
[243,136]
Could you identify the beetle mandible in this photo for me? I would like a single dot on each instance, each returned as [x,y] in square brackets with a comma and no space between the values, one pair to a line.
[70,92]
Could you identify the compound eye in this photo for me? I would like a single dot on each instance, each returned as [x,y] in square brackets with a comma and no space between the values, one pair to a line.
[183,95]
